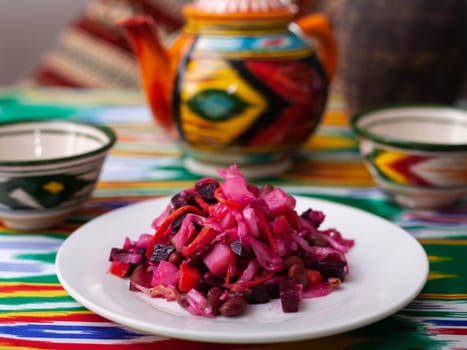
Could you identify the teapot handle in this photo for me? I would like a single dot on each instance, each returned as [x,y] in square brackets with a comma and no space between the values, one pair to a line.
[318,26]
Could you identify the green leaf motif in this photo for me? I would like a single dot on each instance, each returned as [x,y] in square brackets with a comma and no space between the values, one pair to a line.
[217,105]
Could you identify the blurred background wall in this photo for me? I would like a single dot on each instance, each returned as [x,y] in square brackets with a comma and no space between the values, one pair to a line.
[27,28]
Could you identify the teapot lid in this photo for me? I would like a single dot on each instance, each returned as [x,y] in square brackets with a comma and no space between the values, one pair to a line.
[239,8]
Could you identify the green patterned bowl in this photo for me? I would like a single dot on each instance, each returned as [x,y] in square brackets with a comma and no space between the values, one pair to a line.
[48,169]
[417,154]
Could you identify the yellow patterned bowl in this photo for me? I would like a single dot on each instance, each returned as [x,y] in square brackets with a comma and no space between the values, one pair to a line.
[417,154]
[48,169]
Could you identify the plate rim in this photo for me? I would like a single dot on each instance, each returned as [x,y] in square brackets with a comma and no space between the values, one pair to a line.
[141,326]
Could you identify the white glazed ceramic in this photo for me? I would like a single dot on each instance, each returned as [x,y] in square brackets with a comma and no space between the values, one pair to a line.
[48,169]
[388,268]
[417,154]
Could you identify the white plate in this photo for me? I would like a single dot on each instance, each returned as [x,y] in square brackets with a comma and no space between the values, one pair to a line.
[388,268]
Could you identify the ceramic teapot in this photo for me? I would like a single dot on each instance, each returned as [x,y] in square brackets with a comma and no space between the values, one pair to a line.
[244,82]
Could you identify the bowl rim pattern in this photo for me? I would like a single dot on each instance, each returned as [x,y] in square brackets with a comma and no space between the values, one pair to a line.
[401,144]
[111,138]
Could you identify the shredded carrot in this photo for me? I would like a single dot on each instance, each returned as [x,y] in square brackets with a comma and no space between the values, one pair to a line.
[264,226]
[201,241]
[202,203]
[252,283]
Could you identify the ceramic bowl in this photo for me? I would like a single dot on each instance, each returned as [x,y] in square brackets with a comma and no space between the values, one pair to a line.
[417,154]
[48,169]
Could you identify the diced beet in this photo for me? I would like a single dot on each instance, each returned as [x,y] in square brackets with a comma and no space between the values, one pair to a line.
[127,256]
[314,217]
[258,295]
[290,294]
[206,187]
[183,198]
[273,290]
[161,252]
[330,267]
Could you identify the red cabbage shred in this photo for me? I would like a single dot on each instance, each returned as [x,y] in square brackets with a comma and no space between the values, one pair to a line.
[222,245]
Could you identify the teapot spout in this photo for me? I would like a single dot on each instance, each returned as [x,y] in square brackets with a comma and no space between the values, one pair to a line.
[155,67]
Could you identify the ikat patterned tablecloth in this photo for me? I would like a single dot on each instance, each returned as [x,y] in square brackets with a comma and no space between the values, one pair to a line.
[37,313]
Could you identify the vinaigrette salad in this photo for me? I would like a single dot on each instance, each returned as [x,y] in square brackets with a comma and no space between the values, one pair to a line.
[222,245]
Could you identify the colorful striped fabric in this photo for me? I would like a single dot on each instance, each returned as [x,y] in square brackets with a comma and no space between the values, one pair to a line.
[92,52]
[37,313]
